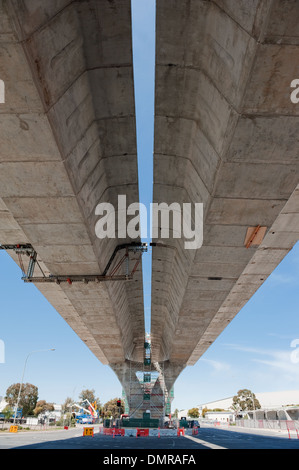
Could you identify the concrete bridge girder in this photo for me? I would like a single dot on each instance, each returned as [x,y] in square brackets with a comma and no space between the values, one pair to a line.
[228,140]
[68,142]
[225,135]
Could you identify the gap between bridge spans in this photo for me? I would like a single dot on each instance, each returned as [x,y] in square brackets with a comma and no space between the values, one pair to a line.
[143,15]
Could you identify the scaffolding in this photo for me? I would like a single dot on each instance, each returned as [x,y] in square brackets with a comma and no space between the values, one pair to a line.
[148,397]
[133,254]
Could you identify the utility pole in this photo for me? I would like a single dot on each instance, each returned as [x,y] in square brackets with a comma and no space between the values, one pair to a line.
[21,384]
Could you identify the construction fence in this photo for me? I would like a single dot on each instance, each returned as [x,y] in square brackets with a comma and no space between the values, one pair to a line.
[146,432]
[283,425]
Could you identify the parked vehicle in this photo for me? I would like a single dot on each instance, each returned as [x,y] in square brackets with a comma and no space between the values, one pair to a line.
[193,423]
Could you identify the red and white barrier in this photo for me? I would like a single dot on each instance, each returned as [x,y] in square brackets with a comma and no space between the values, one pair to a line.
[142,432]
[113,432]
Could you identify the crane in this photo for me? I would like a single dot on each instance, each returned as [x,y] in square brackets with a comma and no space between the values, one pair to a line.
[90,411]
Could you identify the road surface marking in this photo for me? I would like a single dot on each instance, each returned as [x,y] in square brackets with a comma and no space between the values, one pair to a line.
[204,443]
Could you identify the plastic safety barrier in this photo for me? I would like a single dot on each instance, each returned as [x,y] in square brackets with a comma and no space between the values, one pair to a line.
[142,432]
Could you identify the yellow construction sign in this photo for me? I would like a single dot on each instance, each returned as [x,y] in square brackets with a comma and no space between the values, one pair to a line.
[13,429]
[88,432]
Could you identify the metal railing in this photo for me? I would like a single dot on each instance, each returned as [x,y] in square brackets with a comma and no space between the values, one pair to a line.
[281,424]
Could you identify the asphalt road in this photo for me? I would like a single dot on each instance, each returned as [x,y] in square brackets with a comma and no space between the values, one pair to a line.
[208,438]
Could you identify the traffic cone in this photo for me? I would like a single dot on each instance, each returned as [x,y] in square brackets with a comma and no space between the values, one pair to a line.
[159,432]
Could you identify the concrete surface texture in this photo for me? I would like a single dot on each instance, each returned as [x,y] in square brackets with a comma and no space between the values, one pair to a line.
[225,136]
[68,142]
[208,437]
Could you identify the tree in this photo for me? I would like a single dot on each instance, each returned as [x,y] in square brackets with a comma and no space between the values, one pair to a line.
[87,395]
[28,397]
[193,413]
[42,406]
[8,413]
[245,400]
[67,413]
[90,396]
[66,406]
[68,420]
[110,409]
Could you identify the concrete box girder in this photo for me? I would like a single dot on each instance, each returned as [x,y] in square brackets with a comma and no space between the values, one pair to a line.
[68,111]
[233,125]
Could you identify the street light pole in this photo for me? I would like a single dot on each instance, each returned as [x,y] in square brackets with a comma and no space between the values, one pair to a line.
[21,384]
[253,408]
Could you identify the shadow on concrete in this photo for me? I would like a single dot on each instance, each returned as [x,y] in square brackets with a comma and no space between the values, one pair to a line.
[243,440]
[119,442]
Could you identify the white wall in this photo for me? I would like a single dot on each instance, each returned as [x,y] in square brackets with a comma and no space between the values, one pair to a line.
[3,404]
[267,400]
[183,413]
[222,417]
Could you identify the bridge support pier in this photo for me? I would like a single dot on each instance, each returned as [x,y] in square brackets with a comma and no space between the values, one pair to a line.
[147,386]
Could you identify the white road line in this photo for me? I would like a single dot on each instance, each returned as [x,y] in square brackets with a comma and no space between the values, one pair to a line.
[204,443]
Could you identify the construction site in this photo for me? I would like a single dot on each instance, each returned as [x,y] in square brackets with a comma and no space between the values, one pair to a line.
[225,144]
[147,400]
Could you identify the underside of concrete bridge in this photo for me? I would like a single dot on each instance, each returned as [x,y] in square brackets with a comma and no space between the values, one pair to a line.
[226,135]
[68,143]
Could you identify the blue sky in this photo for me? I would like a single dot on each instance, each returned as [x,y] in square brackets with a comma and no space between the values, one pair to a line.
[143,20]
[254,351]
